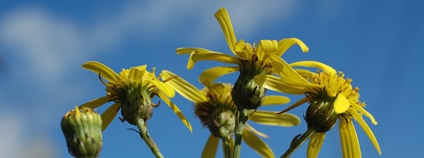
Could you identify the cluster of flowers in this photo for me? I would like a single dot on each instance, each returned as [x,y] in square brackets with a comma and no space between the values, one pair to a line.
[225,108]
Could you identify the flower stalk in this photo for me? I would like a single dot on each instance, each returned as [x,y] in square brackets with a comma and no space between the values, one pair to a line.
[297,142]
[144,134]
[241,120]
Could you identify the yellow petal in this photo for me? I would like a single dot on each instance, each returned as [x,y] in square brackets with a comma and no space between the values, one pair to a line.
[211,147]
[243,50]
[225,22]
[368,131]
[257,144]
[266,48]
[184,88]
[341,104]
[136,73]
[315,144]
[96,102]
[349,139]
[272,118]
[176,110]
[365,112]
[304,73]
[210,75]
[254,131]
[284,69]
[274,83]
[314,64]
[164,88]
[286,43]
[103,70]
[198,54]
[275,100]
[109,115]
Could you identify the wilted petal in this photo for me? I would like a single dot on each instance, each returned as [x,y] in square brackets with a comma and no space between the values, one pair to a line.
[210,75]
[275,100]
[109,115]
[349,139]
[176,110]
[257,144]
[103,70]
[272,118]
[184,88]
[315,144]
[286,43]
[211,147]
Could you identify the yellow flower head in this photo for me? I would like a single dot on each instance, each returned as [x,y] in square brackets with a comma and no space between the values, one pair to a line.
[131,90]
[250,60]
[216,109]
[331,97]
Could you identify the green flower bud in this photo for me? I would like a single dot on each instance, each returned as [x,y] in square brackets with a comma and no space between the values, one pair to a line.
[136,104]
[246,93]
[82,128]
[221,122]
[320,114]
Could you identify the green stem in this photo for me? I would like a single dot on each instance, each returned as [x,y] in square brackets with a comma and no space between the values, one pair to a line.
[144,134]
[296,142]
[227,145]
[241,120]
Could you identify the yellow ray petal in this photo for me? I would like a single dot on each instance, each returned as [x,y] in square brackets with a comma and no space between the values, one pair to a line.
[109,115]
[314,64]
[349,139]
[225,22]
[199,54]
[274,83]
[275,100]
[254,131]
[341,104]
[96,102]
[363,111]
[211,147]
[136,73]
[210,75]
[304,73]
[315,144]
[272,118]
[176,110]
[257,144]
[286,43]
[367,131]
[184,88]
[266,48]
[284,69]
[298,103]
[103,70]
[164,88]
[243,50]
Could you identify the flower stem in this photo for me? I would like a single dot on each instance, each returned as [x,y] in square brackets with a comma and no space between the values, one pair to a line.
[227,147]
[297,141]
[144,134]
[241,120]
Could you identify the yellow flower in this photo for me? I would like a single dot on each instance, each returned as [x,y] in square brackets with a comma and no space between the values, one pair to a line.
[250,60]
[131,90]
[215,100]
[327,87]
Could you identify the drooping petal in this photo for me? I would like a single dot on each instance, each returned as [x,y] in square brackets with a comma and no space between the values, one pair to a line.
[103,70]
[266,48]
[176,110]
[96,102]
[367,131]
[211,147]
[210,75]
[304,73]
[254,131]
[364,112]
[315,144]
[275,100]
[199,54]
[274,83]
[284,69]
[164,88]
[315,64]
[184,88]
[136,73]
[349,139]
[298,103]
[341,104]
[243,50]
[257,144]
[225,22]
[286,43]
[272,118]
[109,115]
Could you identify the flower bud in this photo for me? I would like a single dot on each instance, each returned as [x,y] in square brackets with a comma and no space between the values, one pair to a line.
[320,114]
[82,128]
[221,122]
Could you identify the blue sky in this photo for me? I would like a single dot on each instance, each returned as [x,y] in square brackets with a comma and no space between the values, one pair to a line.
[43,45]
